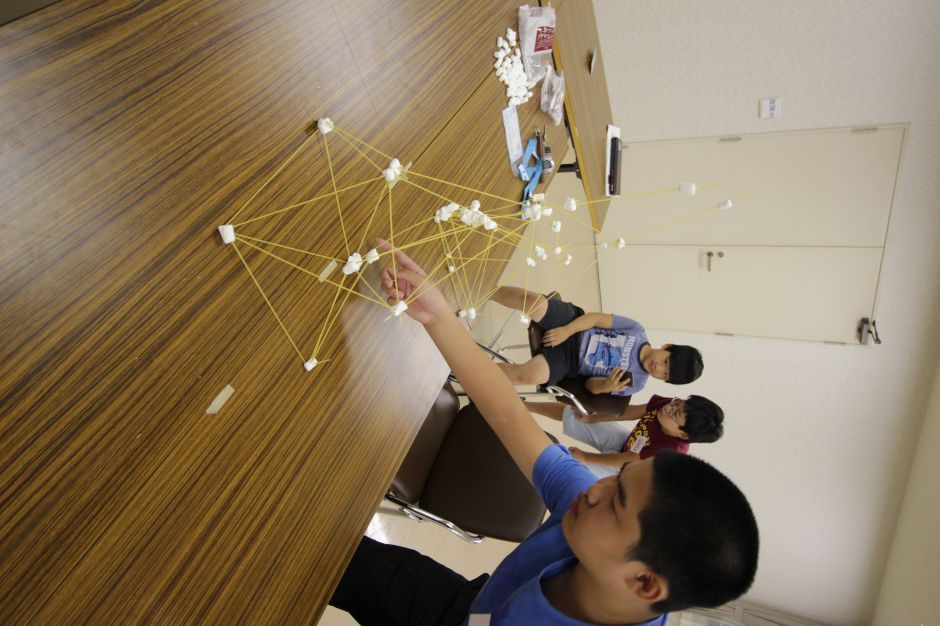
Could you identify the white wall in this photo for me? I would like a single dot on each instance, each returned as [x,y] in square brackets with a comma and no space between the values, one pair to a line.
[909,590]
[819,436]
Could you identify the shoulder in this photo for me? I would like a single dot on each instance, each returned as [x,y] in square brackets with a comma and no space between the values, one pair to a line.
[656,402]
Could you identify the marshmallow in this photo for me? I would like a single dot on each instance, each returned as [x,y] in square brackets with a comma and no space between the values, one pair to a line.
[471,313]
[394,171]
[547,211]
[540,252]
[724,205]
[372,256]
[570,204]
[530,261]
[324,125]
[538,197]
[474,205]
[489,223]
[309,365]
[451,269]
[621,243]
[399,308]
[523,319]
[557,250]
[568,260]
[353,263]
[228,233]
[604,245]
[556,226]
[461,314]
[687,189]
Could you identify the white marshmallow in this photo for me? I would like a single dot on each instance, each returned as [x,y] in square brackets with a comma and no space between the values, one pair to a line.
[568,260]
[687,189]
[523,319]
[451,269]
[372,256]
[471,313]
[530,261]
[461,314]
[390,175]
[353,263]
[547,211]
[227,231]
[557,250]
[570,204]
[324,125]
[309,365]
[621,243]
[724,205]
[489,223]
[399,308]
[556,226]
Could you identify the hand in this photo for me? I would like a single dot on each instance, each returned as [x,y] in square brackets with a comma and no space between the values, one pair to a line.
[618,380]
[556,336]
[578,454]
[409,283]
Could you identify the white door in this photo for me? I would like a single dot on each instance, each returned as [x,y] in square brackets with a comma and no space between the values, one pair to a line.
[797,256]
[814,293]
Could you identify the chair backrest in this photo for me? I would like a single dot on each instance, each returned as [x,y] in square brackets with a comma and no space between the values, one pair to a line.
[476,484]
[413,473]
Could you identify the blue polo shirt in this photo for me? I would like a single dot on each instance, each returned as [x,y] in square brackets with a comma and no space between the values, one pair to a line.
[603,349]
[513,594]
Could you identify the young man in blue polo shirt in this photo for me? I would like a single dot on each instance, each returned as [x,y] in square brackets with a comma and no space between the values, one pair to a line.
[663,534]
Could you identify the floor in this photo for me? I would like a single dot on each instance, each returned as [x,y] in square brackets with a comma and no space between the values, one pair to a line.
[578,283]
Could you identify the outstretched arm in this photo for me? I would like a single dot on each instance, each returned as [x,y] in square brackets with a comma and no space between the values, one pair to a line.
[480,377]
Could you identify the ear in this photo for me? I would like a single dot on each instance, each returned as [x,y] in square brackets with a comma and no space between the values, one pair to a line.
[666,345]
[648,586]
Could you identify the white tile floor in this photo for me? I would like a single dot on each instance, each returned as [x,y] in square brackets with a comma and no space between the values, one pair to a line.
[577,283]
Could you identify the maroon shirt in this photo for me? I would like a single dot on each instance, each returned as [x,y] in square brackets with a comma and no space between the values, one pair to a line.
[648,437]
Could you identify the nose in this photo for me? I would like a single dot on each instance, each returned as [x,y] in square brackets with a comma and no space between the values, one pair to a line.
[596,491]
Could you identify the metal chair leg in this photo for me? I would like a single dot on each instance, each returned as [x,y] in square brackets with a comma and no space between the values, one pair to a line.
[418,514]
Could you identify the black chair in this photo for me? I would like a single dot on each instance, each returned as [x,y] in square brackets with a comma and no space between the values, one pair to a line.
[458,474]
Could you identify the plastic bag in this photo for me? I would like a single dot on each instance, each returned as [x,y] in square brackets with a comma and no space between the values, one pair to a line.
[536,37]
[553,95]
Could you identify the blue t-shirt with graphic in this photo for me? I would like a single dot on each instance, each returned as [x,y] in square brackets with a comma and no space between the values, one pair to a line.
[513,594]
[603,349]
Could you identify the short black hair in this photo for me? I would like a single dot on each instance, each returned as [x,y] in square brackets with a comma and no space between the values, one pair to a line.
[703,420]
[698,532]
[685,364]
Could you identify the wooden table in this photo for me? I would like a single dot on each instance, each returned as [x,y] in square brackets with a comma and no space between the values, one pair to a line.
[587,101]
[128,132]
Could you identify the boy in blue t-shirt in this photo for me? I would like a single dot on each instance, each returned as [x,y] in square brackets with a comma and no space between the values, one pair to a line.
[610,350]
[663,534]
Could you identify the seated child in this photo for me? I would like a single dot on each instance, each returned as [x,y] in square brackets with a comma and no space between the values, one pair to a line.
[612,351]
[664,424]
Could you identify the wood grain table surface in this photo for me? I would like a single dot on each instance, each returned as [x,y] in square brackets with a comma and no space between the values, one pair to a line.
[129,130]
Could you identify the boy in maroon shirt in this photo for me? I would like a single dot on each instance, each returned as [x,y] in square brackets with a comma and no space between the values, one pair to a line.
[663,424]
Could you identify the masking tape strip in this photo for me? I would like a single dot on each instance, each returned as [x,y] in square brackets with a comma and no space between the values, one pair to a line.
[220,399]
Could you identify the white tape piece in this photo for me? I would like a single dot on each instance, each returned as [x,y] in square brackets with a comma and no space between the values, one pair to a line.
[220,399]
[331,266]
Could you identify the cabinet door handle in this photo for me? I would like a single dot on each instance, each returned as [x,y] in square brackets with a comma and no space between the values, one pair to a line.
[709,256]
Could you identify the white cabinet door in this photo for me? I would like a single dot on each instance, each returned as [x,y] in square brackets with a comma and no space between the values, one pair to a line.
[830,188]
[814,293]
[801,246]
